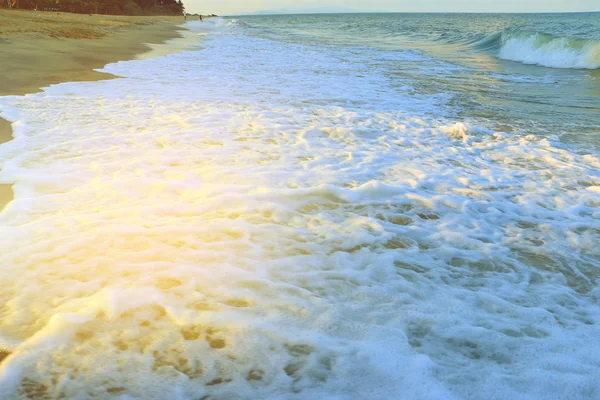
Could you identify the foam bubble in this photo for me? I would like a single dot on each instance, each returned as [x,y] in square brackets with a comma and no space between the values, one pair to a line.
[262,221]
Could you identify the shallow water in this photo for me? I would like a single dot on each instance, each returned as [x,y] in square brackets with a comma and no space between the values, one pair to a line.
[276,218]
[491,66]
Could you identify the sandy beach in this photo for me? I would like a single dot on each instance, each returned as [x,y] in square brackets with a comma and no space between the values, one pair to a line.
[38,49]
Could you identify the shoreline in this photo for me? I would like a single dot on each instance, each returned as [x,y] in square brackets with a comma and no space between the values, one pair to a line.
[71,46]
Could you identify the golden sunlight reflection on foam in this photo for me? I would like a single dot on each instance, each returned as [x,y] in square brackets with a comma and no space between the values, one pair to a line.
[167,243]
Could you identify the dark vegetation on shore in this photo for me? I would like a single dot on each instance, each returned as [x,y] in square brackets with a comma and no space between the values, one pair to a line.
[114,7]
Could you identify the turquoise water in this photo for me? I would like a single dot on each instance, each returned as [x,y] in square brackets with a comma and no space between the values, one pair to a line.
[532,73]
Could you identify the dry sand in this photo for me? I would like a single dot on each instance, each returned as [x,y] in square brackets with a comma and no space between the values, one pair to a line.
[38,49]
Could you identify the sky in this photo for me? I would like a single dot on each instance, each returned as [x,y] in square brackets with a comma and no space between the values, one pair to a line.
[232,7]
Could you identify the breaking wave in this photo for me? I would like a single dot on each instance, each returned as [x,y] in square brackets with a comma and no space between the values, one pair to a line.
[543,49]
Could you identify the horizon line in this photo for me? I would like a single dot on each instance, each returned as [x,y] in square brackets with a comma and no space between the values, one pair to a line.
[260,13]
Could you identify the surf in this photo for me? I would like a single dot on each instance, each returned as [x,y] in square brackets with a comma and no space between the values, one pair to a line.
[542,49]
[268,219]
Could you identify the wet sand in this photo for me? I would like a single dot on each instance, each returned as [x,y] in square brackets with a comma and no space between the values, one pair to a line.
[38,49]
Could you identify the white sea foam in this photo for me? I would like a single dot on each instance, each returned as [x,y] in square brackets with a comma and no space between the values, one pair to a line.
[258,220]
[554,52]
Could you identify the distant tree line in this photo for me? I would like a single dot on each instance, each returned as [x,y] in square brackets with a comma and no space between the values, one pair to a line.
[116,7]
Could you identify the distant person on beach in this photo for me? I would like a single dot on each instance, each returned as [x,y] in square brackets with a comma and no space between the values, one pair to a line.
[185,16]
[200,16]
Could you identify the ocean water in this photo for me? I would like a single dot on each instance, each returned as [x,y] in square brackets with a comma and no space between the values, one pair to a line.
[312,207]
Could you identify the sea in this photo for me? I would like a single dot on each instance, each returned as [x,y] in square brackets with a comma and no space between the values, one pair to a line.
[336,206]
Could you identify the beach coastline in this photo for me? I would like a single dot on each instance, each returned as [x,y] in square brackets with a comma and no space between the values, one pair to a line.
[310,206]
[44,48]
[39,49]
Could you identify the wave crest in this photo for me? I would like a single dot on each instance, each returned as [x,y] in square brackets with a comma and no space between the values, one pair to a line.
[545,50]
